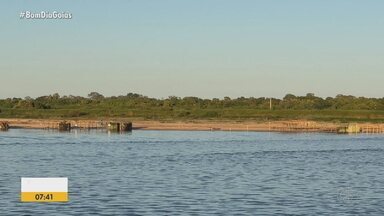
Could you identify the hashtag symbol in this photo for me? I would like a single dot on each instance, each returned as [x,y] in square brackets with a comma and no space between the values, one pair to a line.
[22,15]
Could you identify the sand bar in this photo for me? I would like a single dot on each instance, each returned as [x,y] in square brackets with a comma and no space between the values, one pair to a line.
[200,125]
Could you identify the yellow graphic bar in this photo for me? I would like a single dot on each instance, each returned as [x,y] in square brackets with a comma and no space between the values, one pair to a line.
[44,197]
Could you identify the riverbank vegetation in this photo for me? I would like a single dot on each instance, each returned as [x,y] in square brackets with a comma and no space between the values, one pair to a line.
[342,108]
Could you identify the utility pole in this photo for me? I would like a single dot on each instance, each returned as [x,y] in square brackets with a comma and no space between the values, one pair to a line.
[270,103]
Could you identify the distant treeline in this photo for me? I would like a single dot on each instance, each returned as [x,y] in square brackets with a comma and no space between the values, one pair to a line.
[133,100]
[136,105]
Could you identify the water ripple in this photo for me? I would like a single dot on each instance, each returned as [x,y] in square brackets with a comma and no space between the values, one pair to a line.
[196,173]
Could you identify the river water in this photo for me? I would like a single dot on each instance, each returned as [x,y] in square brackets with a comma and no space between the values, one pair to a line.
[196,173]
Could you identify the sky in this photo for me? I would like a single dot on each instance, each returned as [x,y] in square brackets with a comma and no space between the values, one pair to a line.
[204,48]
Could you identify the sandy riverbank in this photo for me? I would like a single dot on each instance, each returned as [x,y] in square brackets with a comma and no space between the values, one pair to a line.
[203,125]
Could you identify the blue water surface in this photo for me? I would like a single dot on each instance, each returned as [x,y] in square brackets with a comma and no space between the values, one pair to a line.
[196,173]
